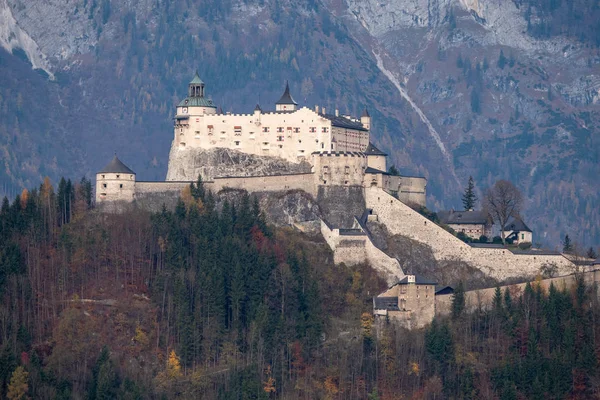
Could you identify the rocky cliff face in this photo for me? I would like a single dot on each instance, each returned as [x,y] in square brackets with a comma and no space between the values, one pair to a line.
[489,88]
[187,164]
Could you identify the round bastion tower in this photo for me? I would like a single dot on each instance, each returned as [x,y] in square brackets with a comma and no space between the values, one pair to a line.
[115,182]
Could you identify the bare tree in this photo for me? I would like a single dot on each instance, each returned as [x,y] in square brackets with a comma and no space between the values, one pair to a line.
[503,201]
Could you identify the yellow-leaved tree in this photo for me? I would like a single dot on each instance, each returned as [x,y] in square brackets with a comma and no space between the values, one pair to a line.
[173,366]
[166,380]
[269,383]
[17,388]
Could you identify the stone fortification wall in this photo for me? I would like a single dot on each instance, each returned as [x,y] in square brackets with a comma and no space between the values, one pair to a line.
[358,248]
[498,263]
[188,163]
[409,189]
[386,265]
[484,297]
[271,183]
[340,204]
[152,196]
[340,169]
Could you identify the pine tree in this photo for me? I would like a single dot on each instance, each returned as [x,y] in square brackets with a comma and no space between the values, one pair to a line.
[507,300]
[567,244]
[469,197]
[591,253]
[497,300]
[458,301]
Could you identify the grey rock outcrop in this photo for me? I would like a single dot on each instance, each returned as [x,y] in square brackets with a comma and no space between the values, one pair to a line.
[188,164]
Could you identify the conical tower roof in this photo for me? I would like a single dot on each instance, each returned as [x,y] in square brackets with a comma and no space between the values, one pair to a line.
[365,113]
[116,166]
[196,80]
[374,151]
[286,98]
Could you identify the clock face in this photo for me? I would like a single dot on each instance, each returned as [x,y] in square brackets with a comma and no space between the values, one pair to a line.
[184,110]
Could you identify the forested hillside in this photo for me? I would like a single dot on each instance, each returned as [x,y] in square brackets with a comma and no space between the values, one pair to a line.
[209,301]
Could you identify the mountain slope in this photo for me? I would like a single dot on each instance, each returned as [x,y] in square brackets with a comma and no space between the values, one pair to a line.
[428,71]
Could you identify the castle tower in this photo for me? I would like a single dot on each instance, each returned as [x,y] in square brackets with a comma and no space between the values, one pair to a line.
[365,120]
[196,103]
[286,102]
[376,158]
[115,182]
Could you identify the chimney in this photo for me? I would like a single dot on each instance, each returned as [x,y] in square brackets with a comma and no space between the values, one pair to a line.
[317,109]
[324,112]
[337,112]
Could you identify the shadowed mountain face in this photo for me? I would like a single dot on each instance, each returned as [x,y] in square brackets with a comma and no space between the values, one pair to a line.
[455,88]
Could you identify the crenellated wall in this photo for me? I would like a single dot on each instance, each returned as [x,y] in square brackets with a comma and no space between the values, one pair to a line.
[497,263]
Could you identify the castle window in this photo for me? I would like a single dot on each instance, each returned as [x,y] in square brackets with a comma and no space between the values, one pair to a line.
[322,145]
[325,170]
[325,129]
[280,138]
[266,129]
[296,130]
[347,170]
[104,185]
[280,129]
[102,176]
[121,186]
[237,143]
[118,176]
[299,141]
[312,129]
[237,130]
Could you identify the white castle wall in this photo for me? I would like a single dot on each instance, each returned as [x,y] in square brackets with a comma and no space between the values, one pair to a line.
[498,263]
[290,135]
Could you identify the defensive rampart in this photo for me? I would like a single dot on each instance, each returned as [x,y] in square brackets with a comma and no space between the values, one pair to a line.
[499,263]
[483,298]
[354,246]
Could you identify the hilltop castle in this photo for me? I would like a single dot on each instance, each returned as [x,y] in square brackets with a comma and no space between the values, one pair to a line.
[336,147]
[293,150]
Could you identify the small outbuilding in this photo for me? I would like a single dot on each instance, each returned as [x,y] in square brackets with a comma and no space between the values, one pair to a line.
[517,231]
